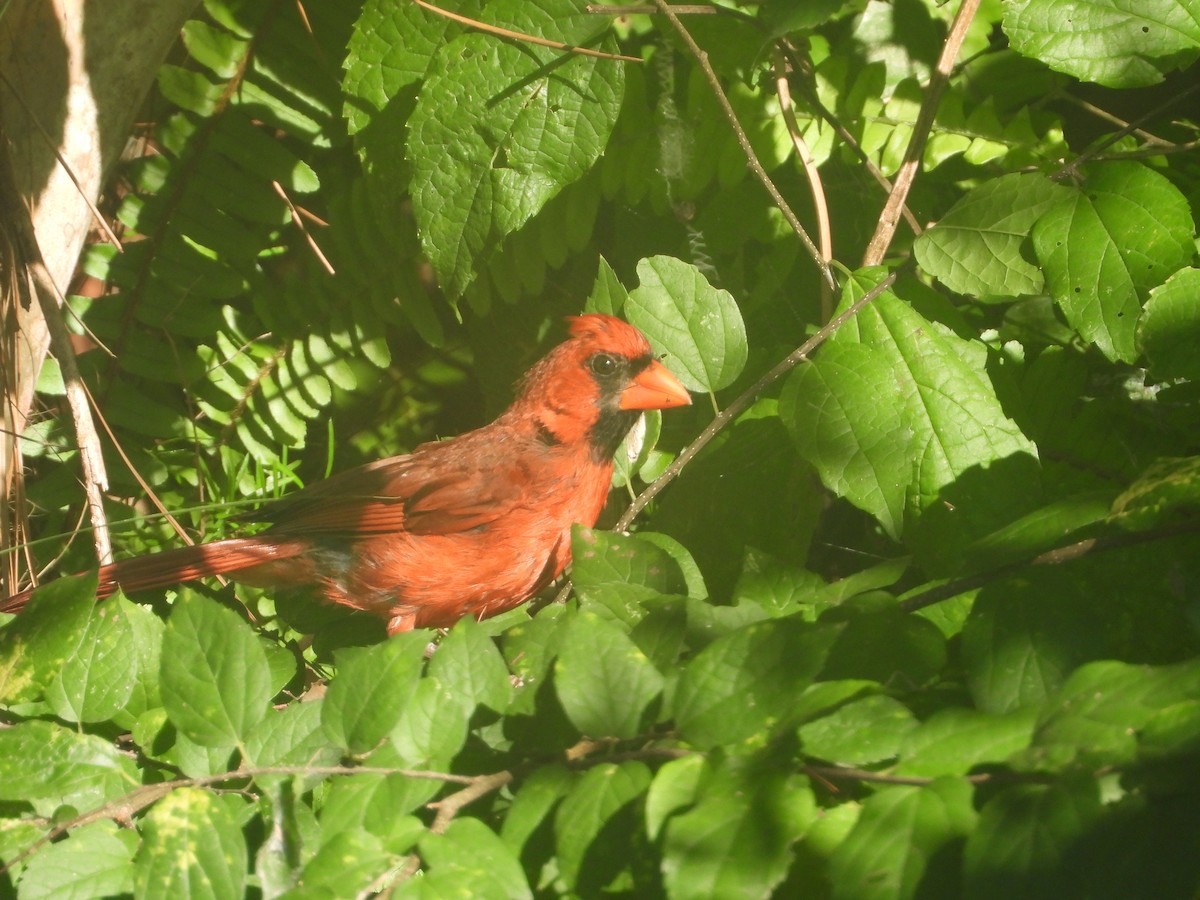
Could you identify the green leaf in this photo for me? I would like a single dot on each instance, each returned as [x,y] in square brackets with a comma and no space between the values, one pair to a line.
[1025,837]
[393,45]
[1106,41]
[1018,646]
[36,645]
[433,724]
[216,685]
[191,847]
[860,733]
[608,294]
[346,864]
[881,643]
[674,787]
[291,736]
[94,861]
[42,761]
[604,681]
[697,327]
[469,860]
[526,121]
[378,804]
[98,679]
[1169,330]
[898,416]
[955,740]
[893,848]
[1168,488]
[367,696]
[469,665]
[975,248]
[620,571]
[602,792]
[1103,247]
[742,686]
[534,800]
[1096,716]
[736,841]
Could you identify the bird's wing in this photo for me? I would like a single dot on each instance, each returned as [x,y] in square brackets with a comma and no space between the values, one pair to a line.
[441,488]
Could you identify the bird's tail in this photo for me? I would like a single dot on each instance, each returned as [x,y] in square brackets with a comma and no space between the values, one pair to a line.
[238,557]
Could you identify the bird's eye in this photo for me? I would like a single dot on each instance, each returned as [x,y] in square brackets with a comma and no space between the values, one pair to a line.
[603,364]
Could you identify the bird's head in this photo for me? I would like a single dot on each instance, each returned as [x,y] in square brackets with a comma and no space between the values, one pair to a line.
[593,386]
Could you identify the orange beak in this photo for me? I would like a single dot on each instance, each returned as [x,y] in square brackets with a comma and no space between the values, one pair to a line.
[654,388]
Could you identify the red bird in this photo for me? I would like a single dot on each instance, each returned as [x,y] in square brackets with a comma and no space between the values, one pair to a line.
[474,525]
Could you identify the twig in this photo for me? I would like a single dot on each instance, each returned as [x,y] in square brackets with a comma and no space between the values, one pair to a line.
[813,99]
[520,36]
[1092,152]
[299,223]
[938,79]
[820,205]
[448,807]
[1057,556]
[744,142]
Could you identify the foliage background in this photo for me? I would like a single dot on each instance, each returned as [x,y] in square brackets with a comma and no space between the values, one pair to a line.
[920,619]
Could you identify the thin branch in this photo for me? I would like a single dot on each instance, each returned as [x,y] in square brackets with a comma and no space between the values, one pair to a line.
[813,99]
[820,205]
[520,36]
[298,221]
[938,79]
[448,807]
[1068,170]
[756,167]
[1057,556]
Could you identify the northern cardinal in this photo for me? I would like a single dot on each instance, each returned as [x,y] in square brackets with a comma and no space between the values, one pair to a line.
[474,525]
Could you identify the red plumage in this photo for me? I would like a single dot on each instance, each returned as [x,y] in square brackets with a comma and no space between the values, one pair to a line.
[474,525]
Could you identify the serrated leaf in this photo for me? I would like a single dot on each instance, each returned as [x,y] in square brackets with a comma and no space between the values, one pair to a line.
[860,733]
[93,861]
[1025,837]
[697,327]
[1019,646]
[743,685]
[433,725]
[736,841]
[604,681]
[469,666]
[37,644]
[367,696]
[346,864]
[215,680]
[975,248]
[1169,330]
[896,840]
[1104,246]
[1098,712]
[98,679]
[469,860]
[291,736]
[533,803]
[513,123]
[602,792]
[608,295]
[955,740]
[894,413]
[191,847]
[674,787]
[1109,42]
[44,761]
